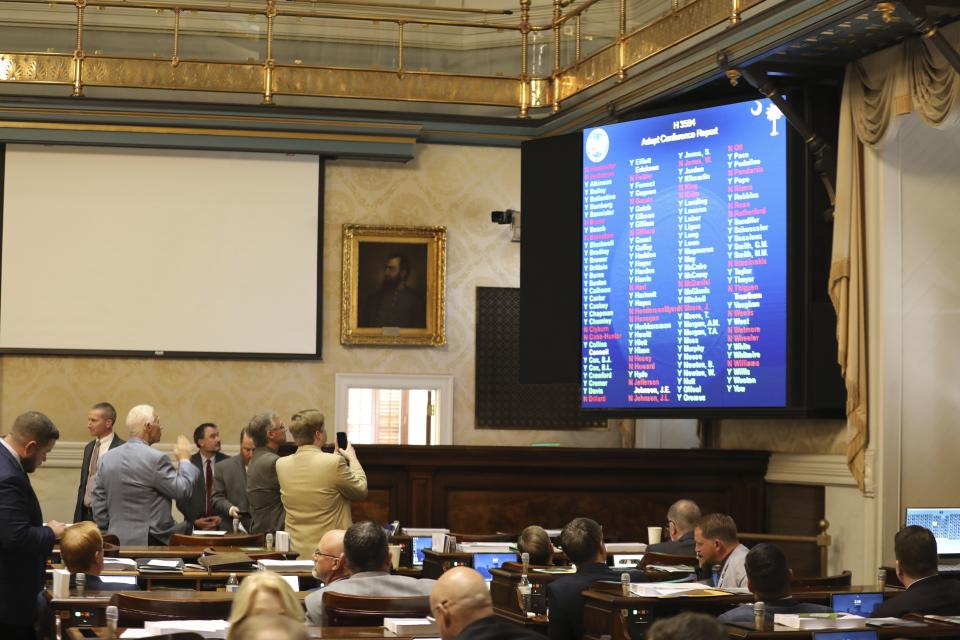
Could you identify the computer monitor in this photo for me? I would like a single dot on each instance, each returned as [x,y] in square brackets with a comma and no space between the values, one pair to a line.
[626,560]
[943,523]
[419,544]
[483,562]
[852,634]
[859,604]
[131,580]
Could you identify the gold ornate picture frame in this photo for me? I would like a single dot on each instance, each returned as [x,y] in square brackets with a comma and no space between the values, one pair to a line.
[394,285]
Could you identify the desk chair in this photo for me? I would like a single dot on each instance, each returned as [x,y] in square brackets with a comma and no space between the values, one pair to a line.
[823,582]
[230,539]
[369,611]
[652,557]
[136,608]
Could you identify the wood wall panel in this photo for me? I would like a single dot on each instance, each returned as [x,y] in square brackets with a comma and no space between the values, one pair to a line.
[489,489]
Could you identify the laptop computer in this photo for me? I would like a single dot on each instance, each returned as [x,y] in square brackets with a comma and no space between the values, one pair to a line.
[859,604]
[419,544]
[483,562]
[944,524]
[841,634]
[625,560]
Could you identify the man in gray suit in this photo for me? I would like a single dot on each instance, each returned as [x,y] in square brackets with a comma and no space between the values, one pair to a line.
[368,558]
[263,487]
[136,484]
[230,484]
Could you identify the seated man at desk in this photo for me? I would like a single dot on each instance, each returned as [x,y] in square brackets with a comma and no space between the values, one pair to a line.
[769,579]
[682,518]
[368,559]
[582,541]
[460,602]
[81,549]
[329,561]
[716,542]
[927,592]
[535,541]
[685,626]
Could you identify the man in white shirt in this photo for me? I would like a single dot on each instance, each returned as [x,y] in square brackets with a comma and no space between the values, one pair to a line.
[716,542]
[100,421]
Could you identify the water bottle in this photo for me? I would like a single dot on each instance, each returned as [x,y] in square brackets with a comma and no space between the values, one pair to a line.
[232,583]
[81,582]
[112,615]
[625,584]
[759,613]
[524,588]
[268,541]
[716,575]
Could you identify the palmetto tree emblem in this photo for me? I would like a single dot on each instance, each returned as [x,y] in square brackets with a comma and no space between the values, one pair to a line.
[773,114]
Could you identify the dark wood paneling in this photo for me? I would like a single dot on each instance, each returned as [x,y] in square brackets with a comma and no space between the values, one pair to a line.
[490,489]
[794,509]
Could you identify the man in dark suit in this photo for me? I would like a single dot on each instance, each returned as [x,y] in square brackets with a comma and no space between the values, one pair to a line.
[927,593]
[263,486]
[682,518]
[25,541]
[582,542]
[199,508]
[230,484]
[769,579]
[100,421]
[460,602]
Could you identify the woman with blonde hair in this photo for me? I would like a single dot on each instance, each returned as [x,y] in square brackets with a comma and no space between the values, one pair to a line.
[264,593]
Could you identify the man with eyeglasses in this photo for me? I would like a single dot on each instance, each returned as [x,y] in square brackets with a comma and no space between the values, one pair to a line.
[683,516]
[329,561]
[136,484]
[263,487]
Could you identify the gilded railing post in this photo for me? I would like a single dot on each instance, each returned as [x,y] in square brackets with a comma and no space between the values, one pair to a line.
[400,50]
[622,42]
[555,78]
[524,71]
[579,16]
[175,60]
[268,64]
[735,15]
[78,52]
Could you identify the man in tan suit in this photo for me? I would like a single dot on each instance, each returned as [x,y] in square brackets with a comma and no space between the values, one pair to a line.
[316,487]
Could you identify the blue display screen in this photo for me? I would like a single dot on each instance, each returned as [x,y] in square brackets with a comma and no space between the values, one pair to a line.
[859,604]
[483,562]
[845,635]
[419,544]
[685,261]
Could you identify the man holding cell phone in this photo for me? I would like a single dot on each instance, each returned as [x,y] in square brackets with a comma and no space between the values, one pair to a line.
[316,487]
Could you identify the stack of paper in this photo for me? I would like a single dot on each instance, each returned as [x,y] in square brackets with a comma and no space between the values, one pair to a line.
[819,620]
[119,564]
[286,566]
[160,565]
[409,626]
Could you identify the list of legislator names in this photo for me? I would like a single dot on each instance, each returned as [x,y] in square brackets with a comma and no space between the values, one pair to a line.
[684,260]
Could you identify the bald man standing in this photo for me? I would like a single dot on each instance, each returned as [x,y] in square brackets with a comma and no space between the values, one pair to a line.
[461,604]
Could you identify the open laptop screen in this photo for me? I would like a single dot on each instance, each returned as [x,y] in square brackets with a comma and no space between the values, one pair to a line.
[419,544]
[483,562]
[943,523]
[859,604]
[845,635]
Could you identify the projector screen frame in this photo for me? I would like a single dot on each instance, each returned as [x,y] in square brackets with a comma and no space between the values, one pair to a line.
[174,354]
[801,187]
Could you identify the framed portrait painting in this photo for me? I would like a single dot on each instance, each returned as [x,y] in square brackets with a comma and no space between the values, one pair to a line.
[393,285]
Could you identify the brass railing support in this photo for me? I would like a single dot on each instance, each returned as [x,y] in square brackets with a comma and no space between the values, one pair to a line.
[555,76]
[524,53]
[622,42]
[175,60]
[735,14]
[78,51]
[400,49]
[269,63]
[577,57]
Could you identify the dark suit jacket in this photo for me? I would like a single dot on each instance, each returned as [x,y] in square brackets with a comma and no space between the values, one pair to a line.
[24,544]
[566,603]
[683,546]
[196,506]
[493,628]
[230,490]
[263,492]
[933,595]
[85,471]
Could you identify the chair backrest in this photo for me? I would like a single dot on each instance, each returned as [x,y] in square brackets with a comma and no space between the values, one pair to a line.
[652,557]
[111,538]
[344,610]
[486,537]
[816,582]
[136,608]
[230,539]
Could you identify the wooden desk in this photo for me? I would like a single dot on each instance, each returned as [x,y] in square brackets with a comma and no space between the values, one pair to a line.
[189,554]
[436,562]
[334,633]
[779,632]
[607,612]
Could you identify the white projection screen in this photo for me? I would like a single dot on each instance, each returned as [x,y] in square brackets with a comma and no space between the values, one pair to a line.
[160,252]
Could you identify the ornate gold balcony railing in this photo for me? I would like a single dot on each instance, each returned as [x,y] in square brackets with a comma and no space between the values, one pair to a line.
[534,58]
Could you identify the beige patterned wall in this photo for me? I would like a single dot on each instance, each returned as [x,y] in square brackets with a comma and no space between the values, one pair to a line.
[448,185]
[785,436]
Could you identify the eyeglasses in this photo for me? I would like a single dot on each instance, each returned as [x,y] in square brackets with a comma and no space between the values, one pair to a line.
[281,427]
[317,553]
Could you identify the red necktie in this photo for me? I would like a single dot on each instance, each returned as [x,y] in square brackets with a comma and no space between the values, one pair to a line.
[209,487]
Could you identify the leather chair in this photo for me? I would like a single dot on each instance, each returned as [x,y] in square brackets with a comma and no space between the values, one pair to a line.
[136,608]
[228,540]
[344,610]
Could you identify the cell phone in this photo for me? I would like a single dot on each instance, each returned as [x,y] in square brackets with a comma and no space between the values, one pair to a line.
[342,439]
